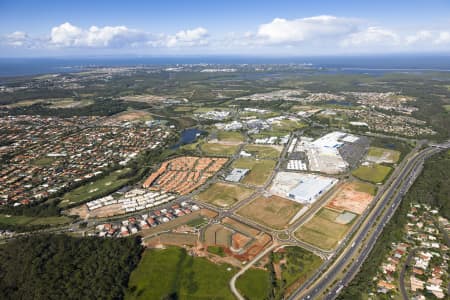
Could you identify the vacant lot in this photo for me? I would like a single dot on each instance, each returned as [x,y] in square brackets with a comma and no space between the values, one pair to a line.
[352,196]
[171,238]
[382,155]
[259,151]
[133,115]
[296,265]
[275,212]
[218,149]
[260,170]
[230,136]
[173,274]
[224,194]
[254,284]
[96,188]
[322,230]
[373,173]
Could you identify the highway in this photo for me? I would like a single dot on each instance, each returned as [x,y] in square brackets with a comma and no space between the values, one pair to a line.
[366,238]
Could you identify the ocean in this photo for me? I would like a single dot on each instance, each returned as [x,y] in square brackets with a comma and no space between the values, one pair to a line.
[348,64]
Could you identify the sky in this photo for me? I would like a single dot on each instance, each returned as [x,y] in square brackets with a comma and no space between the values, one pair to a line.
[254,27]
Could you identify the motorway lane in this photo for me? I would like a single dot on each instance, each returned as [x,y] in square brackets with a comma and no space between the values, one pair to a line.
[336,268]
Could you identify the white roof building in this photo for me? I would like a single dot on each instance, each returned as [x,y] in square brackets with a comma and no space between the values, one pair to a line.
[310,188]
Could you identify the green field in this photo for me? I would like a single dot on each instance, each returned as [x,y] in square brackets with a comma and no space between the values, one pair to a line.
[322,231]
[224,194]
[446,106]
[384,155]
[298,266]
[30,221]
[230,136]
[254,284]
[260,170]
[260,151]
[218,149]
[374,173]
[217,250]
[173,274]
[364,187]
[95,189]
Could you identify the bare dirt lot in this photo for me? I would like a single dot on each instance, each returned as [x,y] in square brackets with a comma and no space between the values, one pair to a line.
[132,116]
[102,212]
[275,211]
[351,197]
[175,239]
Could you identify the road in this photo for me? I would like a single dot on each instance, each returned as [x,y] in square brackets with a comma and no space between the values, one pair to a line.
[366,238]
[247,266]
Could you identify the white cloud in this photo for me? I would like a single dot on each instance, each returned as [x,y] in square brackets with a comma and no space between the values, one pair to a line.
[68,35]
[420,36]
[17,39]
[372,36]
[443,38]
[299,30]
[190,37]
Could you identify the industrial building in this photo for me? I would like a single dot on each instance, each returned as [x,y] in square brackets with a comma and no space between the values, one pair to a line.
[236,175]
[311,188]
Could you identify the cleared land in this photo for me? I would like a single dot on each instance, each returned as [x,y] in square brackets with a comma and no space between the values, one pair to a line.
[373,173]
[224,194]
[352,196]
[133,115]
[322,230]
[382,155]
[260,170]
[96,188]
[173,274]
[218,149]
[275,212]
[270,152]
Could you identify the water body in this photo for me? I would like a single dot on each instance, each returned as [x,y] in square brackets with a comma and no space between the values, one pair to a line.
[341,64]
[188,136]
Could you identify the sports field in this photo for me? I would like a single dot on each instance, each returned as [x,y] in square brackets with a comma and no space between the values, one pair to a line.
[260,151]
[322,230]
[373,173]
[260,170]
[218,149]
[96,188]
[224,194]
[275,212]
[382,155]
[173,274]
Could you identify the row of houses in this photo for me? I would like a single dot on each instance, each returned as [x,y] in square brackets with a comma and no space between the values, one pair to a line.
[137,223]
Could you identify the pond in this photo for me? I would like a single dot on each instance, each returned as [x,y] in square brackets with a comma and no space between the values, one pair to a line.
[188,136]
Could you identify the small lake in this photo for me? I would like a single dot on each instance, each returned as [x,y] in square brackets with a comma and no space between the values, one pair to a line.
[188,136]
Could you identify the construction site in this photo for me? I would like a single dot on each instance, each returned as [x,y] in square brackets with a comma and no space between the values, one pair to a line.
[184,174]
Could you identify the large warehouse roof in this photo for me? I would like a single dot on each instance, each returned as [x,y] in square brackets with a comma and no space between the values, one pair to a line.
[310,188]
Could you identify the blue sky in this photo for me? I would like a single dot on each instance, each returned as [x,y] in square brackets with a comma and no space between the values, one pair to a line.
[58,28]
